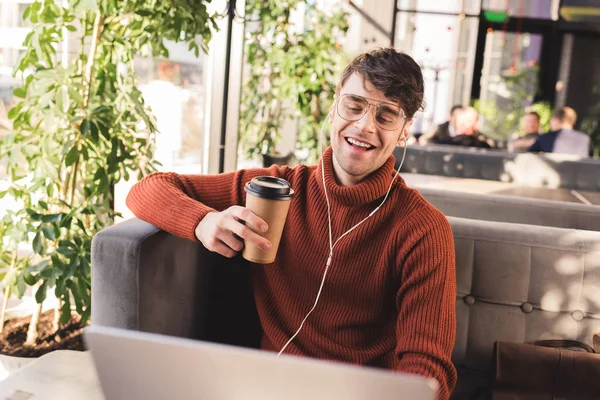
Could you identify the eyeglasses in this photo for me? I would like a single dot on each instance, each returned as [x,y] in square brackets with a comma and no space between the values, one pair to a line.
[388,116]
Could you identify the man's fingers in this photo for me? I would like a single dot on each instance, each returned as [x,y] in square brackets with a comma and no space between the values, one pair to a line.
[250,218]
[232,242]
[247,234]
[223,249]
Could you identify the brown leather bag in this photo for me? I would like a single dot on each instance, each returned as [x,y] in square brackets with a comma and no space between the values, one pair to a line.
[545,370]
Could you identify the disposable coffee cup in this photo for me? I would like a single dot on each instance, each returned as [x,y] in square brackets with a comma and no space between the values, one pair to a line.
[269,198]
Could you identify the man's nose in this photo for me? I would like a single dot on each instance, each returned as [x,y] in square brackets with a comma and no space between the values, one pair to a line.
[367,122]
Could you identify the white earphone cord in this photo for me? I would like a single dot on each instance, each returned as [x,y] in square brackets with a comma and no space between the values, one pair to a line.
[331,246]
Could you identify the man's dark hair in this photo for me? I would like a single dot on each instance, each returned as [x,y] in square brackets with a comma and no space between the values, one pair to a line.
[395,73]
[533,113]
[455,107]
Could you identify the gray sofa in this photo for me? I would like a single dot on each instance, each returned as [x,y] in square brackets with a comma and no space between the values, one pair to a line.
[538,170]
[514,283]
[514,209]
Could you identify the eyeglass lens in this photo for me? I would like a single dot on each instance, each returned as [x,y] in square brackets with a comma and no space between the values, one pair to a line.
[352,108]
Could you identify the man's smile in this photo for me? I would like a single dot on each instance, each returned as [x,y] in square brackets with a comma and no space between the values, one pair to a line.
[362,145]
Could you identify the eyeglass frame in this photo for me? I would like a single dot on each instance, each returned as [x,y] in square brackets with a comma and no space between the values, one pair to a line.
[402,114]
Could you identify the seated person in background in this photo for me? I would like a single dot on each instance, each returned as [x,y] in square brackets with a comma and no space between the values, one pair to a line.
[555,122]
[389,298]
[565,140]
[443,130]
[531,129]
[467,131]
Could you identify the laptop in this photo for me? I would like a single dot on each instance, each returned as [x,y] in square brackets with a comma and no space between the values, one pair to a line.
[139,365]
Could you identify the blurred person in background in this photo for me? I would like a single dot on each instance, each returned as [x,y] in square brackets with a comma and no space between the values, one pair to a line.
[467,131]
[444,130]
[531,130]
[564,140]
[555,123]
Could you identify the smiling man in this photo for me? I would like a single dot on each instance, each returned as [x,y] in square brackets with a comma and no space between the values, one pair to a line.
[383,256]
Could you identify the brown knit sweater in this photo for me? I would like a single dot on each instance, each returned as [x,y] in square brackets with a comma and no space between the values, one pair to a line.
[389,297]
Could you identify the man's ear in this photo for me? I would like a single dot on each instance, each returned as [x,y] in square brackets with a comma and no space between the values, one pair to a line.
[404,135]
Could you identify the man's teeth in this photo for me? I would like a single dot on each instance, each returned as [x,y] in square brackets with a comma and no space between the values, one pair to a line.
[360,144]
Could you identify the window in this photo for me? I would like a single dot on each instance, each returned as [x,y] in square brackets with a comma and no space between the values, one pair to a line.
[543,9]
[444,46]
[457,7]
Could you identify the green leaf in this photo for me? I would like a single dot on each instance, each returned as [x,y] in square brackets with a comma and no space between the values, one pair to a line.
[66,222]
[43,204]
[99,174]
[21,286]
[48,232]
[66,251]
[60,289]
[78,296]
[31,279]
[26,13]
[85,126]
[72,268]
[72,156]
[62,99]
[12,113]
[33,214]
[67,244]
[37,243]
[37,267]
[65,310]
[52,217]
[40,295]
[20,93]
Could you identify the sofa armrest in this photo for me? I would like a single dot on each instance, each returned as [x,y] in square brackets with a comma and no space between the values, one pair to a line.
[146,279]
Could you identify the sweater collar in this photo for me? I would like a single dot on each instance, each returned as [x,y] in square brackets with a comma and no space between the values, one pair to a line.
[372,188]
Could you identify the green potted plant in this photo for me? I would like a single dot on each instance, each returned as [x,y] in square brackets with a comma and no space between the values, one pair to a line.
[81,126]
[292,74]
[502,123]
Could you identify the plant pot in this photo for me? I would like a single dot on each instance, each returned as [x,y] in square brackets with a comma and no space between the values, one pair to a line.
[10,364]
[67,337]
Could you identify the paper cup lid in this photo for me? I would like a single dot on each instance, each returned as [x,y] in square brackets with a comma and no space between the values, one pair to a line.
[270,187]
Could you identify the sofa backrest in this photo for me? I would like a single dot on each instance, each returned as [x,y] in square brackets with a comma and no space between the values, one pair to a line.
[522,283]
[547,170]
[514,209]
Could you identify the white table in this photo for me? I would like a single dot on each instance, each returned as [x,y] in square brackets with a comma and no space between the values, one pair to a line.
[60,375]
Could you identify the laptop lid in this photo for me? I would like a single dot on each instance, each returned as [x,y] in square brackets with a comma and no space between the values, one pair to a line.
[139,365]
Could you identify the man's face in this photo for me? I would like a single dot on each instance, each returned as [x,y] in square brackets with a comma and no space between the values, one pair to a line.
[452,119]
[531,124]
[353,162]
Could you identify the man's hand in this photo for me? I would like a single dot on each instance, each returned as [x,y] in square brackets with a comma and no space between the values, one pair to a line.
[225,232]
